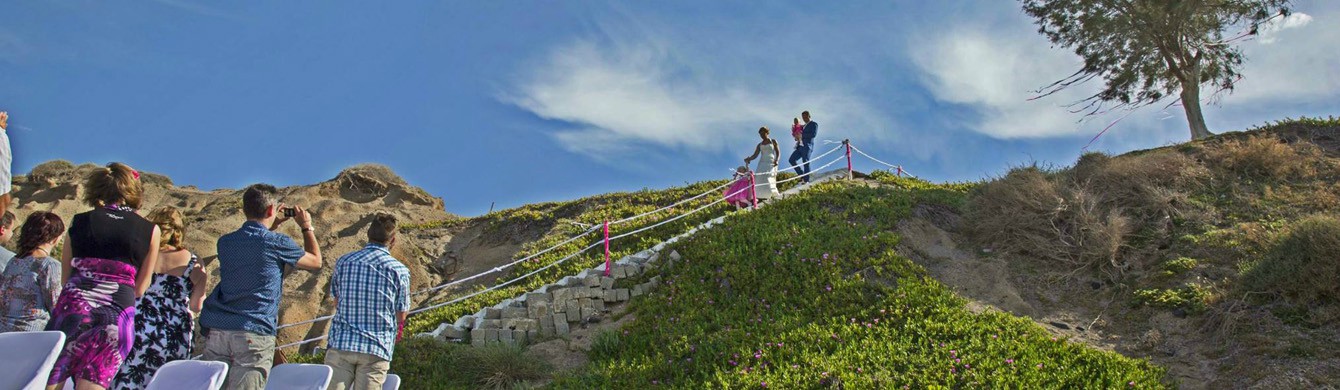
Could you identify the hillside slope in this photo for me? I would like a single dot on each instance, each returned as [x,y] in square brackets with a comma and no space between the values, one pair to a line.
[811,292]
[1215,258]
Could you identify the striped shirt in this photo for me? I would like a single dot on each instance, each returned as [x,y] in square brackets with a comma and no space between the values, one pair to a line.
[370,288]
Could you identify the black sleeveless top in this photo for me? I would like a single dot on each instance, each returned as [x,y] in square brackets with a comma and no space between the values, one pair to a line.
[112,234]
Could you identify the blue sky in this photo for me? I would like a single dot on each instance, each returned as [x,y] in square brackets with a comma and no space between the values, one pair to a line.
[526,101]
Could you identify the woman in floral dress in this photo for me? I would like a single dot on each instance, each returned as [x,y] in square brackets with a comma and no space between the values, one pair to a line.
[164,317]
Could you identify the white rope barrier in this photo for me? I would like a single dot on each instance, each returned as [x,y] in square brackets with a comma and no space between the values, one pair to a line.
[583,250]
[695,197]
[813,171]
[898,167]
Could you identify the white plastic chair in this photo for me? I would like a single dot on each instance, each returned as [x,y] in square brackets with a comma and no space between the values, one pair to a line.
[295,376]
[392,382]
[189,374]
[28,358]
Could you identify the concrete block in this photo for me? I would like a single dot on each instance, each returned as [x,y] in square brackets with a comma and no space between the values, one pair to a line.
[573,314]
[514,312]
[653,257]
[452,332]
[587,273]
[590,315]
[571,281]
[491,313]
[622,294]
[438,331]
[598,304]
[532,335]
[561,328]
[490,324]
[655,281]
[505,337]
[520,337]
[610,296]
[465,322]
[606,283]
[547,327]
[537,310]
[477,337]
[534,297]
[674,255]
[560,294]
[592,280]
[640,289]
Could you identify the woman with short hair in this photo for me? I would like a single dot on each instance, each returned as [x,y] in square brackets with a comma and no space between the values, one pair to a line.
[30,283]
[108,261]
[164,315]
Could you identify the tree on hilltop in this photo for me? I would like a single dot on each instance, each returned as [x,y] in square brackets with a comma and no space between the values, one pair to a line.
[1148,50]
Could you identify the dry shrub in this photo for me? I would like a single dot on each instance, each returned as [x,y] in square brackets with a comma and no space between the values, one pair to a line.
[1302,265]
[1264,156]
[1151,186]
[1029,214]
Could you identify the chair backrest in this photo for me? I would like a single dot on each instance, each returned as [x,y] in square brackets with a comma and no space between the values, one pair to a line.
[295,376]
[28,370]
[392,382]
[189,374]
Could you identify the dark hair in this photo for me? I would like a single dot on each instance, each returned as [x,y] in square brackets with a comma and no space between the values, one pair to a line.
[7,220]
[805,113]
[41,227]
[116,183]
[172,226]
[258,198]
[763,130]
[382,229]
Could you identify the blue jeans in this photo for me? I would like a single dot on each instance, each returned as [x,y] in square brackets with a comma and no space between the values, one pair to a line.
[802,152]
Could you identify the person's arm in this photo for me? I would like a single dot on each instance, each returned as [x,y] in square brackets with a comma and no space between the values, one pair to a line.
[752,156]
[52,286]
[4,203]
[402,304]
[66,260]
[311,259]
[145,276]
[198,287]
[776,153]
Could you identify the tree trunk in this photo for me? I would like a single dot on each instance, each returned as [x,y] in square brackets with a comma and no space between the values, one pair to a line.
[1191,104]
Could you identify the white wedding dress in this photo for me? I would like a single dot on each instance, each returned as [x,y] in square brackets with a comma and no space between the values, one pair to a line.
[765,174]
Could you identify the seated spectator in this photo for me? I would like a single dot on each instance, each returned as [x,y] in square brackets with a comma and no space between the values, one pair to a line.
[6,233]
[30,283]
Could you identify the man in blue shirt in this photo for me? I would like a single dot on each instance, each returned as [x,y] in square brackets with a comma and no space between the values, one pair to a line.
[806,147]
[239,316]
[371,291]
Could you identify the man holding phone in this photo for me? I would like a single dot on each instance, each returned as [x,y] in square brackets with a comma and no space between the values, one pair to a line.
[240,315]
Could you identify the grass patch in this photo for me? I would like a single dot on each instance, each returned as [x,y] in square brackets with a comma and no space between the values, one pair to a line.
[1302,266]
[785,298]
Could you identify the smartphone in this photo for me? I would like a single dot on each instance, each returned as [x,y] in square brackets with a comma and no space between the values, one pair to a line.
[289,212]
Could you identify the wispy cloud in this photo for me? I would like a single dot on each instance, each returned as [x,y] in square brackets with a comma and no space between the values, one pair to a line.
[631,90]
[994,61]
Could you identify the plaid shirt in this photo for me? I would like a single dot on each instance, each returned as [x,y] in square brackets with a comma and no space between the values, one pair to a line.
[371,287]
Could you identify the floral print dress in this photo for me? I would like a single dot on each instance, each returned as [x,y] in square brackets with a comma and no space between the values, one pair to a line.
[163,329]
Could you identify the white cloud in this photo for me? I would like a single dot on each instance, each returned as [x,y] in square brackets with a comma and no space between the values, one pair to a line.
[1270,30]
[993,64]
[1293,61]
[621,98]
[997,71]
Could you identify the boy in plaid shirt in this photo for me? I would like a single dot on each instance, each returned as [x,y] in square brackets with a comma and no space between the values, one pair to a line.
[371,291]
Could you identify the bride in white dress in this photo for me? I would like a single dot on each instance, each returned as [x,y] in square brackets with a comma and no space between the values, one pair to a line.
[765,175]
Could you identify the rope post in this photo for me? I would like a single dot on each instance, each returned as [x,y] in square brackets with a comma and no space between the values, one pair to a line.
[753,190]
[847,143]
[607,248]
